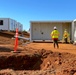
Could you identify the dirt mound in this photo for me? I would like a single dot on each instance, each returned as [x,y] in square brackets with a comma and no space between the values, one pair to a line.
[10,34]
[35,58]
[7,34]
[41,61]
[20,62]
[8,72]
[7,37]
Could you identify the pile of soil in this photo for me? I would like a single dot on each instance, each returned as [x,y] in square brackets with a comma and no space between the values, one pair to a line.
[36,58]
[44,62]
[7,37]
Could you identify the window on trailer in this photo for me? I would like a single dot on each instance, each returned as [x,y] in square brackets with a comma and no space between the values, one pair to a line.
[1,22]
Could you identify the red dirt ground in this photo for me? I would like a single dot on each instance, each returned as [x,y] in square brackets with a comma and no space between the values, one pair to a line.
[35,58]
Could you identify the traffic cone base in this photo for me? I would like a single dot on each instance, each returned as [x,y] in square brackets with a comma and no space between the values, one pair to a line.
[15,51]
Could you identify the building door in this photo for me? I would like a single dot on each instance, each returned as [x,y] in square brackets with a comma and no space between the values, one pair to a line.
[44,31]
[36,35]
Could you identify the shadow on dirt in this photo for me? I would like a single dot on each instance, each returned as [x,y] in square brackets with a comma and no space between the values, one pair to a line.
[4,49]
[24,62]
[8,35]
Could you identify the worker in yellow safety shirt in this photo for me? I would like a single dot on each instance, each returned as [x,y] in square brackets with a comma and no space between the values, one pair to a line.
[66,36]
[55,36]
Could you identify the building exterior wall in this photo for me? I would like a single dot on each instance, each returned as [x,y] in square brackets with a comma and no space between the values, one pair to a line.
[5,24]
[10,24]
[74,31]
[16,24]
[42,30]
[19,25]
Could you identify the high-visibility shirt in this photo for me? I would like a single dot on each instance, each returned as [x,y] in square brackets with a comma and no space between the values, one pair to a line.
[65,35]
[55,34]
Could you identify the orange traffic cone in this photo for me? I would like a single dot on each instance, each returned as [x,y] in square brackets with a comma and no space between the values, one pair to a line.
[16,40]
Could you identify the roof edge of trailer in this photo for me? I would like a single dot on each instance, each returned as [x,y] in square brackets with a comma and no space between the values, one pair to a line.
[62,21]
[4,18]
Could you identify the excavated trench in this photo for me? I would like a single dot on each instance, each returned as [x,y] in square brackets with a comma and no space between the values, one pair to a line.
[20,62]
[28,61]
[41,60]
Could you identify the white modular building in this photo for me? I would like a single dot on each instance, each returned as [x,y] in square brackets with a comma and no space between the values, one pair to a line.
[40,31]
[9,24]
[19,25]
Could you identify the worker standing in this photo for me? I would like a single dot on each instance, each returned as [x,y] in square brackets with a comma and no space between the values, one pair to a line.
[66,36]
[55,36]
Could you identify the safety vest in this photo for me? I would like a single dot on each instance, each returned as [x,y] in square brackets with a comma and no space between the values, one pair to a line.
[55,34]
[65,35]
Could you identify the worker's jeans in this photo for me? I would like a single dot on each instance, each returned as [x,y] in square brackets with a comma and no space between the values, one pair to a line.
[55,42]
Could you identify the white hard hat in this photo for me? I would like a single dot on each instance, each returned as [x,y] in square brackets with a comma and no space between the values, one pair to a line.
[55,27]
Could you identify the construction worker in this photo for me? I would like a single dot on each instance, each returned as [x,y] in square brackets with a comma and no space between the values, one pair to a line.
[66,36]
[55,36]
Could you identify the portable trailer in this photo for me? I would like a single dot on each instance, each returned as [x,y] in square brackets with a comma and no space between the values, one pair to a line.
[40,31]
